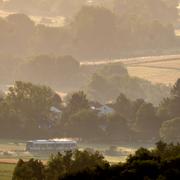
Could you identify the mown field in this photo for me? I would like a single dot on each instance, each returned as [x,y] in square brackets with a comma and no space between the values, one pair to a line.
[166,72]
[163,69]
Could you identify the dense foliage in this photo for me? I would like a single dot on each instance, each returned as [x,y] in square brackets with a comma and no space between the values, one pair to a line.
[93,32]
[110,80]
[35,111]
[160,163]
[65,74]
[25,110]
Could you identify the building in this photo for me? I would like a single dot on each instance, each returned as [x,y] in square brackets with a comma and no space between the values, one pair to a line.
[50,146]
[103,110]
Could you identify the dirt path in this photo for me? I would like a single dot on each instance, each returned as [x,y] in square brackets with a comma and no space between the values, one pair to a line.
[133,61]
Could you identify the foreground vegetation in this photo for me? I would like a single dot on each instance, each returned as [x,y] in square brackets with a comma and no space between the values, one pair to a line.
[27,110]
[160,163]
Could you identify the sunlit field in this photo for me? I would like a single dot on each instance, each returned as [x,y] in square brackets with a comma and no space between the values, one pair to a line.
[166,72]
[163,69]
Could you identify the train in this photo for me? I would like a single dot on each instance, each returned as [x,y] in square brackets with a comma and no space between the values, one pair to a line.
[51,146]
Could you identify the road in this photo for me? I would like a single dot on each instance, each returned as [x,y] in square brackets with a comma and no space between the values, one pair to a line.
[133,61]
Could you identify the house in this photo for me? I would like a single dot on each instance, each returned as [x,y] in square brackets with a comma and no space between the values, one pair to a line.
[55,110]
[54,117]
[103,110]
[56,113]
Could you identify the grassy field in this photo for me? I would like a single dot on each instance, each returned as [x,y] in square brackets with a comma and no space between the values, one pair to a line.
[166,72]
[6,171]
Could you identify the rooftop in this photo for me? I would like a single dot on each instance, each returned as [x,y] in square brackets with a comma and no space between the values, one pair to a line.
[52,141]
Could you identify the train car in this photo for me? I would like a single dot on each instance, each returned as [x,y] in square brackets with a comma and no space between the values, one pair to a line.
[51,146]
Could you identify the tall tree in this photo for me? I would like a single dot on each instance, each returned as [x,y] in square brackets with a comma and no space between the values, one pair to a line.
[77,102]
[146,120]
[31,104]
[170,130]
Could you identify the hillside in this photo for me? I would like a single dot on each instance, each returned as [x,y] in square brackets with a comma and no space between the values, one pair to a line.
[157,69]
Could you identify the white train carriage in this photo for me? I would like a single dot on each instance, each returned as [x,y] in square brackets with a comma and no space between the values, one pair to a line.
[46,146]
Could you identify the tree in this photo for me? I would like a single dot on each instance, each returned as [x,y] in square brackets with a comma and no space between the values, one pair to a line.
[56,167]
[56,71]
[72,162]
[117,128]
[160,163]
[95,31]
[31,104]
[164,11]
[107,84]
[22,29]
[163,110]
[116,69]
[169,107]
[136,105]
[123,106]
[92,159]
[176,89]
[99,88]
[83,123]
[170,130]
[77,102]
[69,7]
[8,65]
[30,170]
[173,107]
[146,120]
[27,97]
[11,122]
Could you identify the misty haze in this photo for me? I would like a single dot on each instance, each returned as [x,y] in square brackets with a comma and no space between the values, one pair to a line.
[89,89]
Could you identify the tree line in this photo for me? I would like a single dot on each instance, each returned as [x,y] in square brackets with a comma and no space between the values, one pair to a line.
[107,82]
[160,163]
[95,31]
[26,111]
[167,8]
[66,74]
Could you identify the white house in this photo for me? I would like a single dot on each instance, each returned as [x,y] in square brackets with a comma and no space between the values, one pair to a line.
[103,110]
[57,113]
[55,110]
